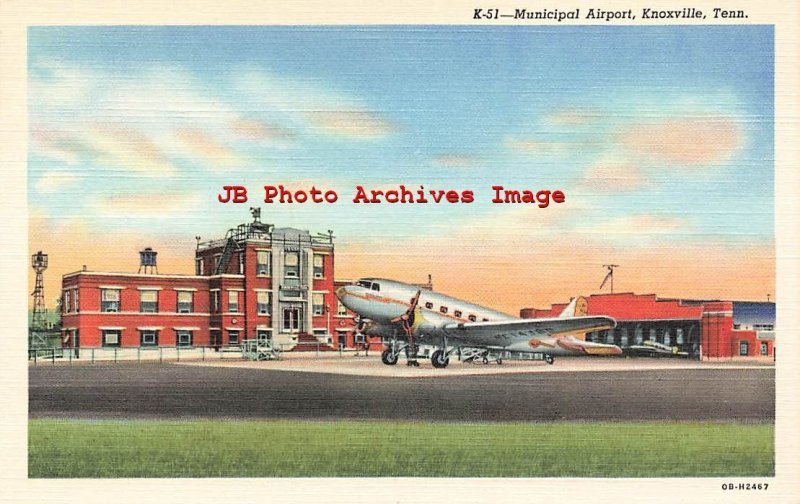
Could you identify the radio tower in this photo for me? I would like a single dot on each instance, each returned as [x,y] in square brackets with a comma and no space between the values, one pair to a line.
[39,320]
[609,276]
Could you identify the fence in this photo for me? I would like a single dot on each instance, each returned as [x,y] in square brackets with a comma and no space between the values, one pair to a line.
[160,354]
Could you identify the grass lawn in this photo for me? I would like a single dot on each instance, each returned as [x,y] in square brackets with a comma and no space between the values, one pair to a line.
[286,448]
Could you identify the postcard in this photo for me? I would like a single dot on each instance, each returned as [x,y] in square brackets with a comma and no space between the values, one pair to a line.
[486,252]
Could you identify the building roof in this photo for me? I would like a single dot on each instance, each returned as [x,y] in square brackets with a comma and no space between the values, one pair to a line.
[630,306]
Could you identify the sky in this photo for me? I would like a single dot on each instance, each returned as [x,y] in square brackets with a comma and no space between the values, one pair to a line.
[661,138]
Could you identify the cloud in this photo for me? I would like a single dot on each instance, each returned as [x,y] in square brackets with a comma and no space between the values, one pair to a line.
[611,176]
[203,146]
[125,146]
[152,205]
[258,131]
[685,140]
[350,123]
[642,226]
[454,160]
[53,181]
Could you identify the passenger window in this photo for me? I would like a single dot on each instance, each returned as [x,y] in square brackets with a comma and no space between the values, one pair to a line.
[443,309]
[429,305]
[364,283]
[376,286]
[457,313]
[472,318]
[486,320]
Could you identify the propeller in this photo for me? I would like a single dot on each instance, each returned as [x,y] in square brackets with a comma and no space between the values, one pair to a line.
[407,318]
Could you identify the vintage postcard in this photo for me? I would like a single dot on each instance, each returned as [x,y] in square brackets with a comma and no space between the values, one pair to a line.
[488,252]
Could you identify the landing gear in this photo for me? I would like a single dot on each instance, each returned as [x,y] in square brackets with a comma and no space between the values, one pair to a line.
[439,359]
[548,359]
[388,357]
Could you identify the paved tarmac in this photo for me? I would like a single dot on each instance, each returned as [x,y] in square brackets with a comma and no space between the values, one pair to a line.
[176,391]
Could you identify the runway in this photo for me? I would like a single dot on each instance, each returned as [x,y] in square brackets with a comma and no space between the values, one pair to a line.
[177,391]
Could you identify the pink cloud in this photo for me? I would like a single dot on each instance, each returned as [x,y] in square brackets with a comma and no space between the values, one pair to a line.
[689,140]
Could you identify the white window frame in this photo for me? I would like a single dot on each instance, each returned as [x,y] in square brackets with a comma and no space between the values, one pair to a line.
[179,333]
[104,307]
[190,302]
[233,307]
[142,335]
[142,301]
[108,332]
[318,308]
[263,269]
[260,304]
[321,267]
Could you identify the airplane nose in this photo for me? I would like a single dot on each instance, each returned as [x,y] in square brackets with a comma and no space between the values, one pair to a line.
[341,292]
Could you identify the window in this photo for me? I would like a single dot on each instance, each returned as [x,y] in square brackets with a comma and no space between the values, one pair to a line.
[148,301]
[318,302]
[263,300]
[758,327]
[109,300]
[233,301]
[77,306]
[744,348]
[241,263]
[376,286]
[198,266]
[764,349]
[183,338]
[341,310]
[319,269]
[111,337]
[65,307]
[472,318]
[429,305]
[263,263]
[679,336]
[217,259]
[652,334]
[486,320]
[148,337]
[364,283]
[292,264]
[233,337]
[214,301]
[737,326]
[185,302]
[667,338]
[457,313]
[443,309]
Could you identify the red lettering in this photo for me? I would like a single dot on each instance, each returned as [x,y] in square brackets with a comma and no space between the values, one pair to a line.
[437,195]
[558,197]
[467,196]
[361,196]
[392,196]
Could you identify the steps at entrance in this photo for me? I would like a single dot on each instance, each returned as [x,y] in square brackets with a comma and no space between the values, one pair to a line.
[308,343]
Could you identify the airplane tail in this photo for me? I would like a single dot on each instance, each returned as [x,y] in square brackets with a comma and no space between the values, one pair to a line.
[577,307]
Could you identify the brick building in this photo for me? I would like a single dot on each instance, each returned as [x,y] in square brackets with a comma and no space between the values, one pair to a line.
[700,328]
[258,281]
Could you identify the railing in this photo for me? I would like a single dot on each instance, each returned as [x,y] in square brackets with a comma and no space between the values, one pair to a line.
[148,354]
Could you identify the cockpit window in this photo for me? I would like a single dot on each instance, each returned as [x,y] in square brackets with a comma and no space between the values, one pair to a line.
[376,286]
[364,283]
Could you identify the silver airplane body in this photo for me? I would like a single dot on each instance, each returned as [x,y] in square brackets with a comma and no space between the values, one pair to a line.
[393,310]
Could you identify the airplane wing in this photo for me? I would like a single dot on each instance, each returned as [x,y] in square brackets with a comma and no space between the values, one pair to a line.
[504,332]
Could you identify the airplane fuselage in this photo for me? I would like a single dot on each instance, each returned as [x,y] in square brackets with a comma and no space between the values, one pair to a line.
[383,301]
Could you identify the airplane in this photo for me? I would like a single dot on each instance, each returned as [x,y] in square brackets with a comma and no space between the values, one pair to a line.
[407,316]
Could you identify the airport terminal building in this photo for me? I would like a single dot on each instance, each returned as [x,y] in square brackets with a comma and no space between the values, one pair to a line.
[258,282]
[699,328]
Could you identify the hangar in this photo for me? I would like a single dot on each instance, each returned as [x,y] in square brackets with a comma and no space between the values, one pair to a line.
[700,329]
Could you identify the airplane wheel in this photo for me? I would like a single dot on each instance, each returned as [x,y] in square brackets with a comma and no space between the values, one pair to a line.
[548,359]
[439,359]
[486,360]
[388,358]
[499,362]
